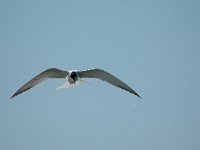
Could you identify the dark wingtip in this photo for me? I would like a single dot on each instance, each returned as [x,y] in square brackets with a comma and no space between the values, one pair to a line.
[139,96]
[131,91]
[13,95]
[21,90]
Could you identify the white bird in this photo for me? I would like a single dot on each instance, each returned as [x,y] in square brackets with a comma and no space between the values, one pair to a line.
[74,77]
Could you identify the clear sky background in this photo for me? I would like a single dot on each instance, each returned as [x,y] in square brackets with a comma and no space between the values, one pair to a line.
[152,45]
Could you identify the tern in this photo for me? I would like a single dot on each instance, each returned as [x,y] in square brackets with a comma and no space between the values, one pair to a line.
[73,78]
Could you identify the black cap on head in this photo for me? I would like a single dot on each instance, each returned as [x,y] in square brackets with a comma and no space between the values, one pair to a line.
[73,75]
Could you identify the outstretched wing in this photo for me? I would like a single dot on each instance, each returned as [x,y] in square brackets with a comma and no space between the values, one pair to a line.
[49,73]
[105,76]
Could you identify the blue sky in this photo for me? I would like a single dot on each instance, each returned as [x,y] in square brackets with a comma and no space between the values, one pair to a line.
[151,45]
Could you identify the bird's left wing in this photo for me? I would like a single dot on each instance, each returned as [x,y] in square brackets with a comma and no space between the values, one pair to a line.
[105,76]
[49,73]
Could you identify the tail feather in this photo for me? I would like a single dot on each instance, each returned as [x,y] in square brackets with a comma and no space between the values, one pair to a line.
[69,85]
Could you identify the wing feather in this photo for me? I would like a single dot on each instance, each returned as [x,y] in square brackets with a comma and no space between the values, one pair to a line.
[105,76]
[47,74]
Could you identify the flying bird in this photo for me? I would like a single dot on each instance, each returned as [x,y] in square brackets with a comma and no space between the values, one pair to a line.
[74,78]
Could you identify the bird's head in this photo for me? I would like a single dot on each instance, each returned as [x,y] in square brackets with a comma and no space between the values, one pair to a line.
[73,76]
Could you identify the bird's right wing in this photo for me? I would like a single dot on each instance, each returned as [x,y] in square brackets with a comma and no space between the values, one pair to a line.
[49,73]
[106,76]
